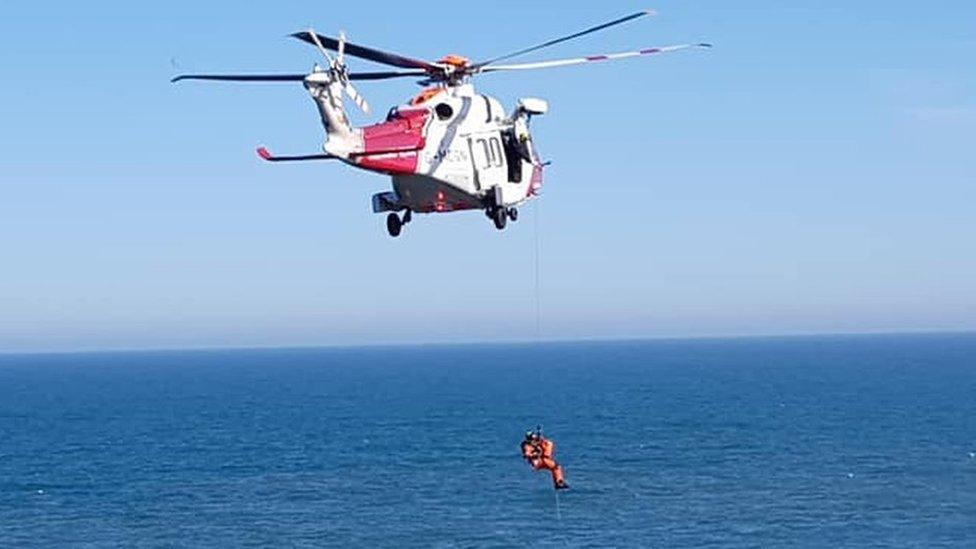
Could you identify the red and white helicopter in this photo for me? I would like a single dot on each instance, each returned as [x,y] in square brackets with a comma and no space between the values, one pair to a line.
[449,148]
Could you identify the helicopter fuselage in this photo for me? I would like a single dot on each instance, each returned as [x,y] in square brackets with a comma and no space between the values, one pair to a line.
[450,149]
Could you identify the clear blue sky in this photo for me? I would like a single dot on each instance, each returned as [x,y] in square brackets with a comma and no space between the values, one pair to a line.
[813,173]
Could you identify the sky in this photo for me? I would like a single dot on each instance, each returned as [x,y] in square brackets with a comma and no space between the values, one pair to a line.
[813,173]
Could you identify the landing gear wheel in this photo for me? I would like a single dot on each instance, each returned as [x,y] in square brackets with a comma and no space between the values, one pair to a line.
[500,217]
[393,225]
[513,214]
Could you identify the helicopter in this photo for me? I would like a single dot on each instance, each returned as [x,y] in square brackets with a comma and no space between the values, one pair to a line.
[448,148]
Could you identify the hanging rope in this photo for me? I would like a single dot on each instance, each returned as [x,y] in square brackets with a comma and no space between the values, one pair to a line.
[538,305]
[559,514]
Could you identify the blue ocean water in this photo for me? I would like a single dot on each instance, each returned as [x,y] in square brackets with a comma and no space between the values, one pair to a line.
[794,442]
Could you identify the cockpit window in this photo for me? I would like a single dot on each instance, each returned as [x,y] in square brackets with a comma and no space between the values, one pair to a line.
[393,114]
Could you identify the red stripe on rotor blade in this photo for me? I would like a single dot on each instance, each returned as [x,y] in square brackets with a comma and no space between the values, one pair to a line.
[597,58]
[650,50]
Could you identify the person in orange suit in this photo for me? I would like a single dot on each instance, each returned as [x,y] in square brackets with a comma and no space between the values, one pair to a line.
[539,452]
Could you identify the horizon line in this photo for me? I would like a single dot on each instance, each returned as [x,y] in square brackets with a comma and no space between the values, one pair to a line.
[496,342]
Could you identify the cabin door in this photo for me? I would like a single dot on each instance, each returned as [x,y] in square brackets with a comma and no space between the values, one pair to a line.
[489,160]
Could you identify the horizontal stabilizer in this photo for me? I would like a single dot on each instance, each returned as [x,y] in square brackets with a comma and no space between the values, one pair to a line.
[266,155]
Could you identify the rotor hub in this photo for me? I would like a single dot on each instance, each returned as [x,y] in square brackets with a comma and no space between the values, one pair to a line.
[455,61]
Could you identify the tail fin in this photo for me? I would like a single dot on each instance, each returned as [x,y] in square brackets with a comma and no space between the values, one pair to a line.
[326,91]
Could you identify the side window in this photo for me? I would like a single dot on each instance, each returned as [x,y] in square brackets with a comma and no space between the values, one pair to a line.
[496,152]
[444,111]
[488,153]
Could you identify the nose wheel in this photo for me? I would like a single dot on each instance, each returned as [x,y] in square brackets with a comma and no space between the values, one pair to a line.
[394,225]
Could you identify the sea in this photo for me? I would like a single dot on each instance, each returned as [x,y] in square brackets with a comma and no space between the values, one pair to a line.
[840,441]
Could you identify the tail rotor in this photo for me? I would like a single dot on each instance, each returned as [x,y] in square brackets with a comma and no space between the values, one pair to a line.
[337,67]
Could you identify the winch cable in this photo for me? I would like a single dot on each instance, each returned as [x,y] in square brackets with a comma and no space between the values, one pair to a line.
[536,261]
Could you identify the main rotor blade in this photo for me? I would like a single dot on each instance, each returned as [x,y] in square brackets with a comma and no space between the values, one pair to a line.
[382,75]
[370,54]
[591,58]
[242,77]
[555,41]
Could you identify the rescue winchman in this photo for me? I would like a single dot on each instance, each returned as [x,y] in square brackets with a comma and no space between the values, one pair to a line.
[539,452]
